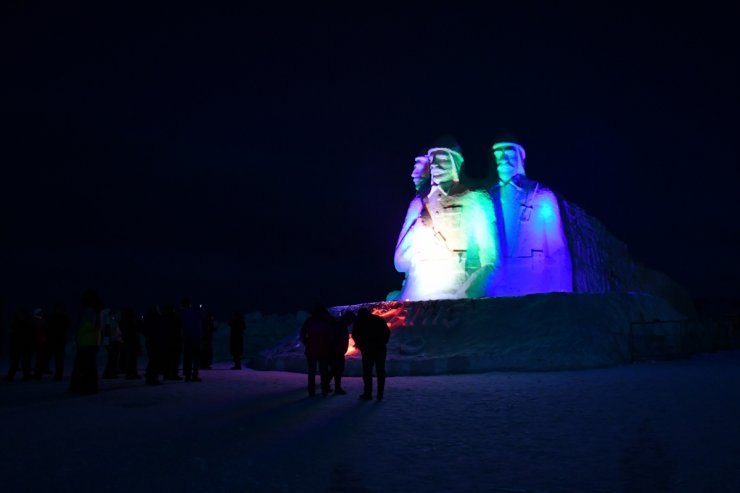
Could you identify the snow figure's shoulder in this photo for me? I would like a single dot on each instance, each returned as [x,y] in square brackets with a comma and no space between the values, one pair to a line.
[477,195]
[415,207]
[416,203]
[536,187]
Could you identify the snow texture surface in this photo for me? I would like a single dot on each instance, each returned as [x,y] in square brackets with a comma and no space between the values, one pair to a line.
[554,331]
[645,427]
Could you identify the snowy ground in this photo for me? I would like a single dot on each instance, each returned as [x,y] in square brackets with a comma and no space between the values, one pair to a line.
[652,427]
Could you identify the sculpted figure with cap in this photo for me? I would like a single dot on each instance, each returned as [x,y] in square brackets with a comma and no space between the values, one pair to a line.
[422,181]
[447,245]
[534,252]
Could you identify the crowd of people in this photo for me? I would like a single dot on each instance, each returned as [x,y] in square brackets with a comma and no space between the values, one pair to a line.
[170,337]
[36,340]
[181,338]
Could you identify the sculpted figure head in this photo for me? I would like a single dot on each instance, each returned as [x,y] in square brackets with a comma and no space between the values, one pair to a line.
[420,174]
[509,158]
[444,165]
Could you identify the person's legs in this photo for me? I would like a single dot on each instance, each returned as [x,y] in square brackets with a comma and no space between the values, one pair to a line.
[187,361]
[153,365]
[89,369]
[26,362]
[207,353]
[367,376]
[237,361]
[74,380]
[195,350]
[338,370]
[312,362]
[130,355]
[15,359]
[380,373]
[43,355]
[109,372]
[58,360]
[324,375]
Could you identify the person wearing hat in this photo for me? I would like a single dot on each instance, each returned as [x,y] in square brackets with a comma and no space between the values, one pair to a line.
[447,246]
[534,252]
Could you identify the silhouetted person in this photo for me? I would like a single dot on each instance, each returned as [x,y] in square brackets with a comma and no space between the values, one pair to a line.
[114,347]
[58,329]
[173,342]
[316,334]
[339,345]
[192,332]
[154,337]
[41,343]
[129,325]
[236,339]
[84,378]
[206,354]
[21,345]
[371,335]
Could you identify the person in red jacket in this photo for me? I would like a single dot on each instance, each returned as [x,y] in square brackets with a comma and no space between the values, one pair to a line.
[316,336]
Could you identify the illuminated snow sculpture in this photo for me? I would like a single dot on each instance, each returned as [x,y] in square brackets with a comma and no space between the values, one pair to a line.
[534,254]
[422,180]
[447,245]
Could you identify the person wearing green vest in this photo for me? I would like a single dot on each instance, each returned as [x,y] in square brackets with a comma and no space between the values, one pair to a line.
[84,378]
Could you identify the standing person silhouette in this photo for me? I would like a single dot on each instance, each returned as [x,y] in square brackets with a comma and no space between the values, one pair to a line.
[173,338]
[339,345]
[21,345]
[316,334]
[130,333]
[371,335]
[236,339]
[84,378]
[206,353]
[192,331]
[58,326]
[152,328]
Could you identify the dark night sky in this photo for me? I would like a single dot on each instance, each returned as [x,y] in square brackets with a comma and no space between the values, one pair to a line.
[260,159]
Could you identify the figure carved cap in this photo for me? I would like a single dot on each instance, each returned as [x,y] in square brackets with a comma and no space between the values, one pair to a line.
[456,155]
[509,142]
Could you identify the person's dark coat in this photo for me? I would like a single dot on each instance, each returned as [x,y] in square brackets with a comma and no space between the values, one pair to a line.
[192,324]
[58,327]
[236,335]
[370,332]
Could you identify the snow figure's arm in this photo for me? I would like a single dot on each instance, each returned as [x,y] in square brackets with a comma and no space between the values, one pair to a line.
[481,222]
[484,229]
[404,246]
[550,225]
[412,213]
[558,273]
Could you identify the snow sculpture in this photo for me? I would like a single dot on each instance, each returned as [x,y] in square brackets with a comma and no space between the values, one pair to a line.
[421,178]
[447,245]
[534,254]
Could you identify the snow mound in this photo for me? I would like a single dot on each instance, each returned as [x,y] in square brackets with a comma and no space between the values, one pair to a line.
[539,332]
